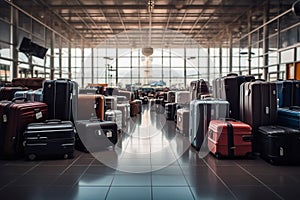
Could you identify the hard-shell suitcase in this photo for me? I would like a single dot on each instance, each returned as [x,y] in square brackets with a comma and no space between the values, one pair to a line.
[170,109]
[61,96]
[7,93]
[139,105]
[182,97]
[53,138]
[171,96]
[216,88]
[30,83]
[279,144]
[90,106]
[110,102]
[258,106]
[201,113]
[288,93]
[289,116]
[15,116]
[125,109]
[134,108]
[89,91]
[115,116]
[31,95]
[159,106]
[229,138]
[129,95]
[95,135]
[230,91]
[183,121]
[198,88]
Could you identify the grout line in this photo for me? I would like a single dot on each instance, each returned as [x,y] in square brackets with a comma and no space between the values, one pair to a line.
[261,182]
[232,193]
[70,165]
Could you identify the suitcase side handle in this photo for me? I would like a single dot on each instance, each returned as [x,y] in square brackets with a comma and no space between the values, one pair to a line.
[53,120]
[259,79]
[19,99]
[247,138]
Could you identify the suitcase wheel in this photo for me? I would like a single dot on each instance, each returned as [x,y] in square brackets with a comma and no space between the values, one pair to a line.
[32,156]
[218,155]
[66,156]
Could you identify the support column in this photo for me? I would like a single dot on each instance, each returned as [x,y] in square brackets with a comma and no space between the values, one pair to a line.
[170,67]
[249,41]
[131,66]
[14,19]
[52,56]
[198,72]
[230,52]
[82,63]
[69,62]
[184,68]
[60,58]
[117,66]
[220,61]
[265,41]
[208,64]
[92,65]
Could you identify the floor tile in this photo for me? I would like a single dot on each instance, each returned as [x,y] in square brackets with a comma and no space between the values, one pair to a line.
[253,192]
[89,193]
[24,193]
[66,180]
[168,180]
[174,193]
[35,180]
[95,180]
[216,192]
[132,180]
[129,193]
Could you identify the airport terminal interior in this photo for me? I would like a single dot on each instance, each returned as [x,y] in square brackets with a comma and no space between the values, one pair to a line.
[159,46]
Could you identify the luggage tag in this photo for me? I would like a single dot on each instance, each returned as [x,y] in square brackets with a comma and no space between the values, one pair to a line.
[4,118]
[39,115]
[281,151]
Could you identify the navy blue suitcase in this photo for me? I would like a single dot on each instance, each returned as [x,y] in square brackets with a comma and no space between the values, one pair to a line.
[288,93]
[289,116]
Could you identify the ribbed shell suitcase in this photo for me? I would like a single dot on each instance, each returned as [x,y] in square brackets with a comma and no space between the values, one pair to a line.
[201,113]
[288,92]
[95,135]
[182,97]
[229,138]
[258,106]
[279,145]
[115,116]
[90,106]
[183,121]
[53,138]
[30,83]
[110,102]
[61,96]
[7,93]
[198,88]
[289,117]
[15,116]
[170,109]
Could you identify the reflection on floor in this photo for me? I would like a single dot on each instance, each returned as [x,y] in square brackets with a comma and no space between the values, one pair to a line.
[151,161]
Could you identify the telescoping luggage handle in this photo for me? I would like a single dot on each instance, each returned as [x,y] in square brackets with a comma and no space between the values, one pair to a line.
[296,108]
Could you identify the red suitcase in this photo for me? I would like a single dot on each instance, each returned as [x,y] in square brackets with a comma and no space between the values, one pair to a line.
[31,83]
[15,116]
[229,138]
[7,93]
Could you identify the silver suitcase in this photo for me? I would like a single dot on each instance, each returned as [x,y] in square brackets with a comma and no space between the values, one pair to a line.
[115,116]
[201,113]
[183,121]
[182,98]
[111,102]
[125,109]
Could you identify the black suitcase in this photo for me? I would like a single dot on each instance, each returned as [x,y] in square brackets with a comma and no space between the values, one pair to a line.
[53,138]
[61,96]
[198,88]
[279,145]
[170,110]
[94,135]
[258,106]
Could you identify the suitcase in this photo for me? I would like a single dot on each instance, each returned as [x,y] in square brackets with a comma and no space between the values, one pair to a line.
[30,83]
[95,135]
[183,121]
[288,93]
[170,109]
[139,105]
[110,103]
[279,145]
[15,116]
[134,108]
[230,91]
[216,88]
[129,95]
[289,116]
[89,91]
[115,116]
[53,138]
[182,98]
[198,88]
[159,106]
[61,96]
[201,113]
[110,91]
[171,96]
[229,138]
[90,106]
[125,109]
[7,93]
[30,95]
[258,106]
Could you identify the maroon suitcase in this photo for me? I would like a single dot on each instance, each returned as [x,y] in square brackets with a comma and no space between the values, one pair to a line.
[15,116]
[31,83]
[229,138]
[7,93]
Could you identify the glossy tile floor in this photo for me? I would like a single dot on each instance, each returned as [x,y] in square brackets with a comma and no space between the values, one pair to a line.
[151,161]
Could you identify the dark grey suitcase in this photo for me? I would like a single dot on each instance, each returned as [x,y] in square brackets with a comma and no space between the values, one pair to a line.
[170,109]
[258,106]
[52,138]
[61,96]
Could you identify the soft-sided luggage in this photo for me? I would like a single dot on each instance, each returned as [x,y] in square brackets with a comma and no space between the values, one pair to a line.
[171,96]
[183,121]
[61,96]
[198,88]
[201,113]
[289,116]
[90,106]
[279,145]
[110,102]
[15,116]
[230,91]
[7,93]
[115,116]
[288,92]
[30,83]
[182,98]
[53,138]
[258,106]
[170,109]
[229,138]
[95,135]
